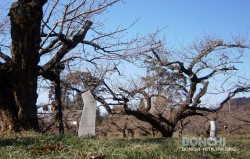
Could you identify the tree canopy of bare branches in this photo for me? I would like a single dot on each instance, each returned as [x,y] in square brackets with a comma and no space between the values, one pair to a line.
[178,83]
[48,36]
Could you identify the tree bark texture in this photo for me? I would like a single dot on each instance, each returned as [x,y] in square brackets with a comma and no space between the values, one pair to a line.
[58,103]
[8,112]
[165,127]
[22,76]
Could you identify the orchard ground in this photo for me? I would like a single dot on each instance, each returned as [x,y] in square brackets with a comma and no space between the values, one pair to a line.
[32,145]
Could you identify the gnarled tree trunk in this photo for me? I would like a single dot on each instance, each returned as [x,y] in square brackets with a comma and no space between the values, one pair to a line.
[161,124]
[21,110]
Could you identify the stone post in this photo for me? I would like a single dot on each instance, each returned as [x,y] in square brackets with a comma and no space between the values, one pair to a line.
[88,117]
[213,130]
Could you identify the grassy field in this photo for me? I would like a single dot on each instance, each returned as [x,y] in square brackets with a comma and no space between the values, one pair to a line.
[70,147]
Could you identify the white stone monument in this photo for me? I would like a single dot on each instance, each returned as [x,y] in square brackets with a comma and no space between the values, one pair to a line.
[213,130]
[88,117]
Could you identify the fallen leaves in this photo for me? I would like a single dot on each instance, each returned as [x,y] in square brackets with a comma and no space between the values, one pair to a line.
[47,148]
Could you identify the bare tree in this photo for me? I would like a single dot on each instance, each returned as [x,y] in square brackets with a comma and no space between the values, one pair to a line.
[178,84]
[45,35]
